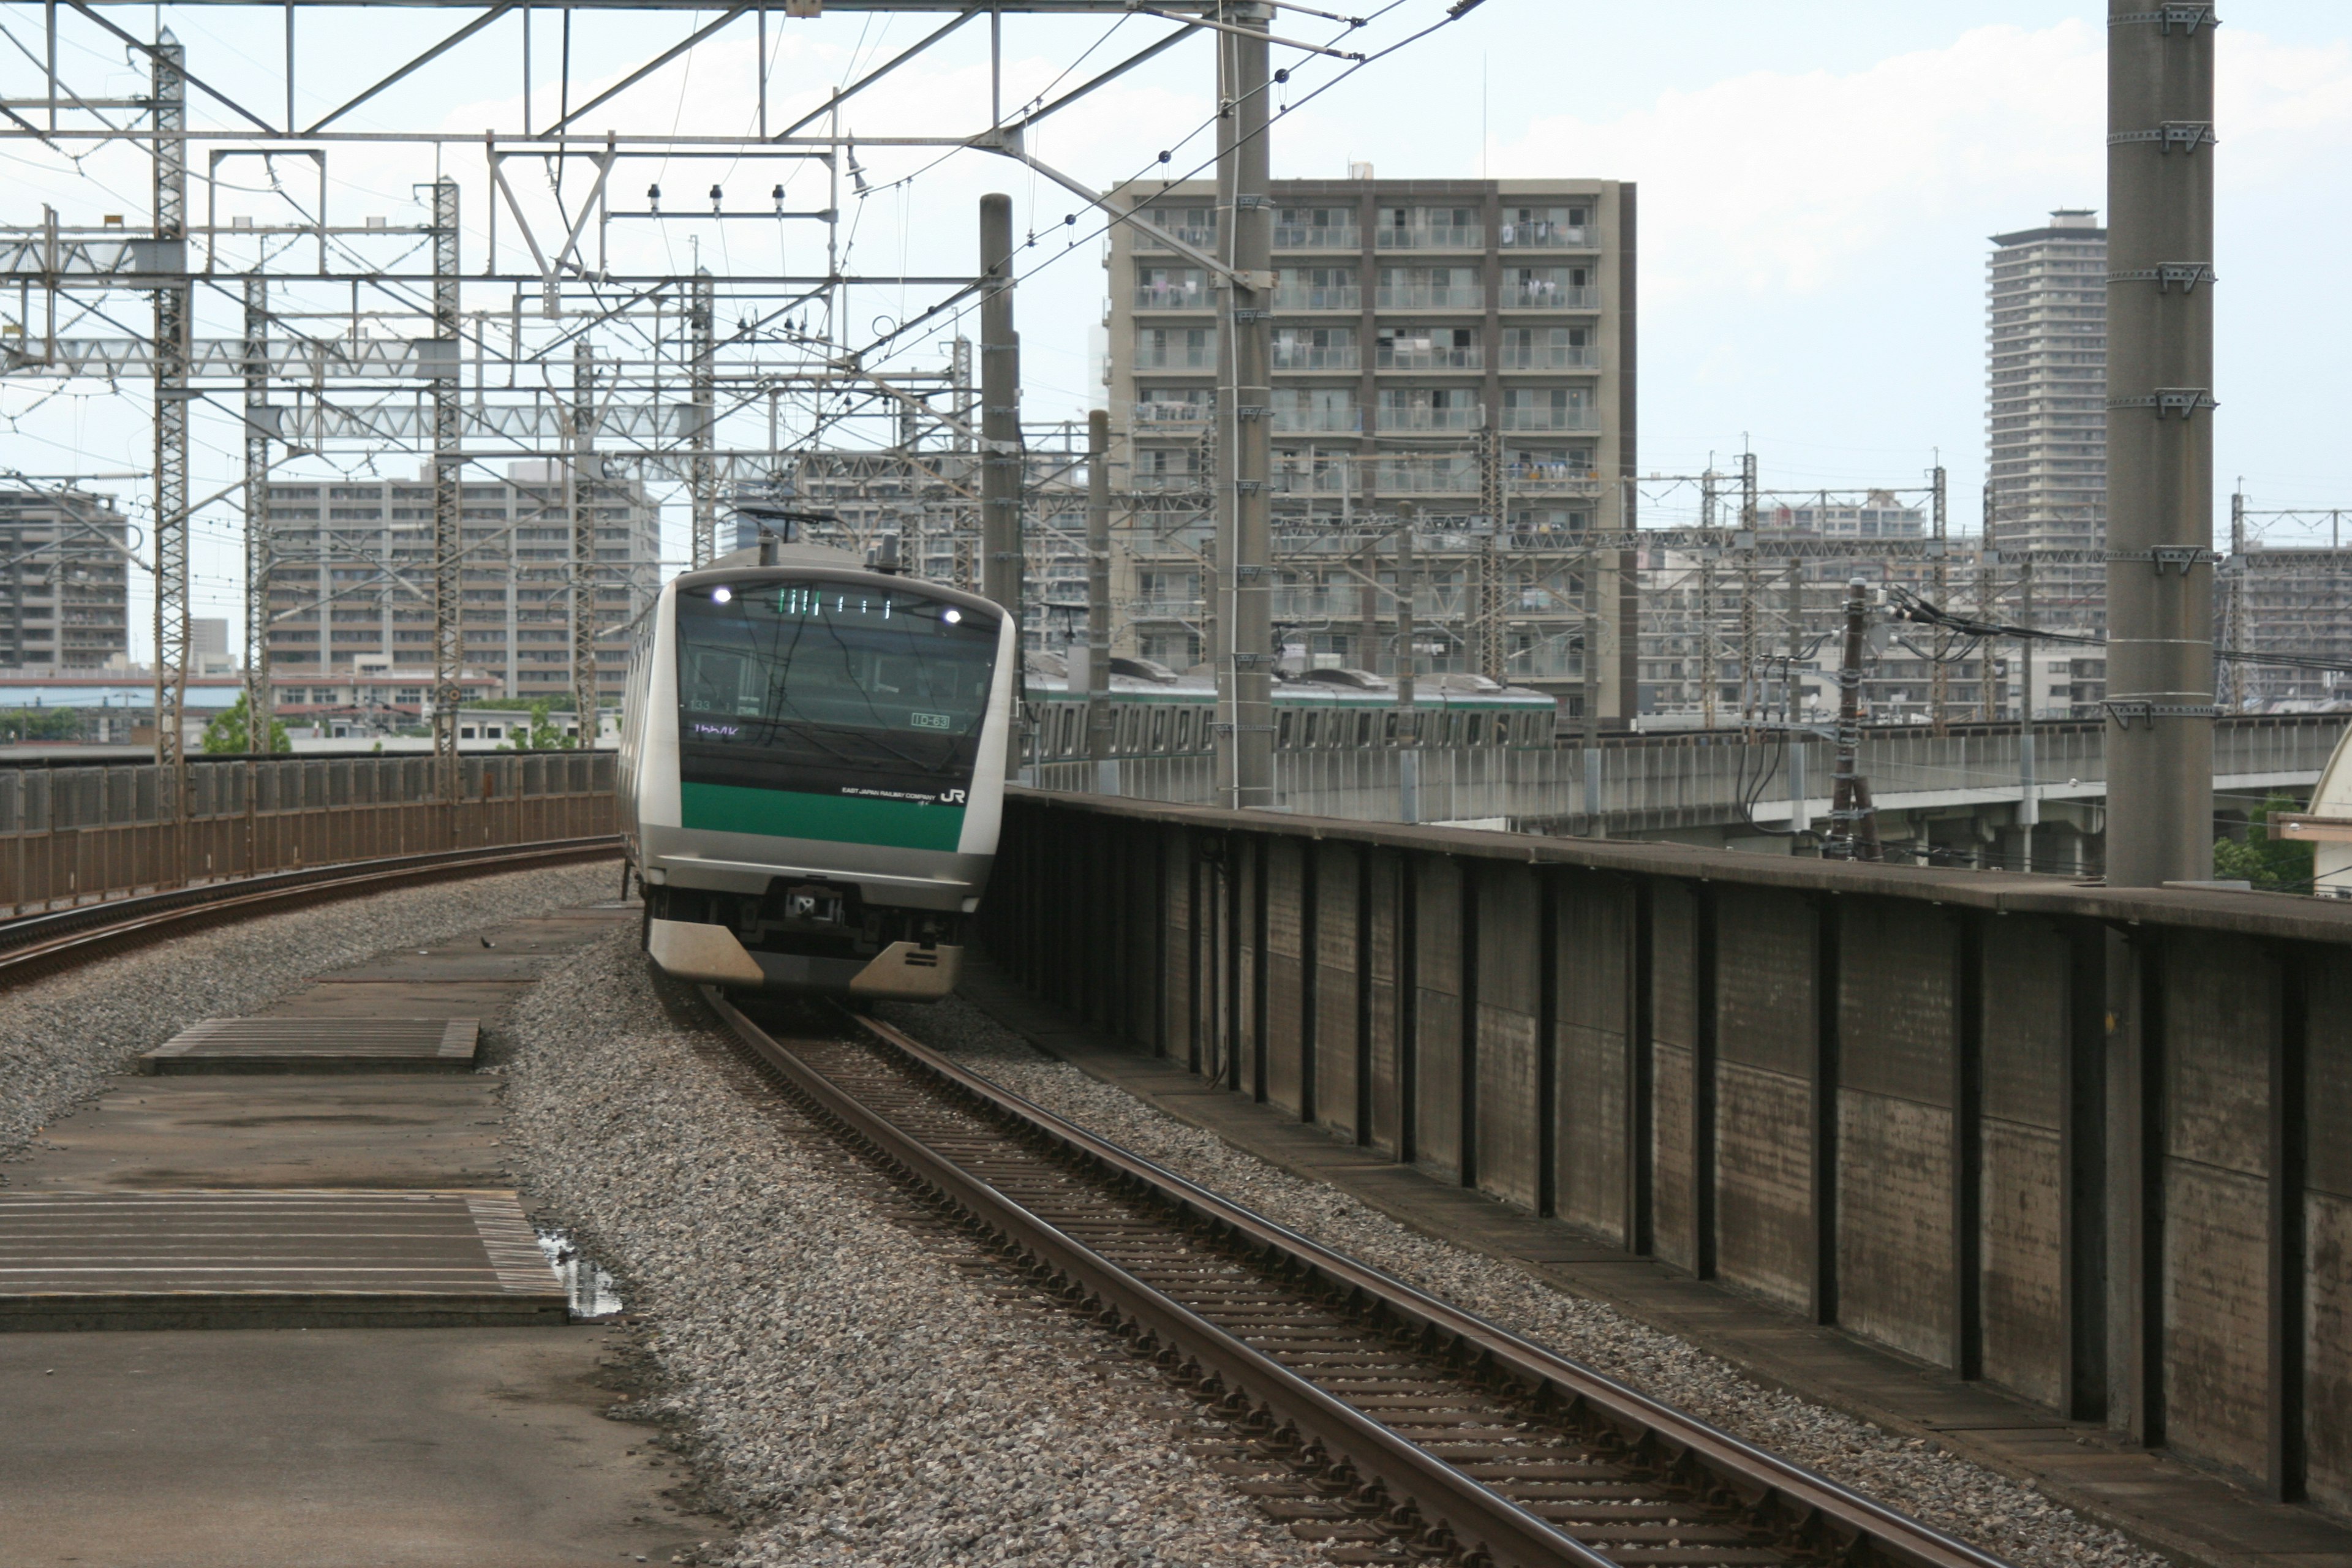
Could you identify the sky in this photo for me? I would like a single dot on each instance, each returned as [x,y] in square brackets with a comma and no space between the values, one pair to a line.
[1818,180]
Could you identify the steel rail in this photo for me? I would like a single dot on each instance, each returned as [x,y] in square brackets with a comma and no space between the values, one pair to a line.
[41,944]
[1461,1516]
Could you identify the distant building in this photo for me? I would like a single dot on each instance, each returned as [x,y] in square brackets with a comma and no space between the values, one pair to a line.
[2295,600]
[64,580]
[2046,408]
[208,646]
[350,556]
[1463,345]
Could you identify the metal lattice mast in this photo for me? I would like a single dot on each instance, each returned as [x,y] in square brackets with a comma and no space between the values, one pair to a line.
[1940,678]
[1751,684]
[702,479]
[2234,606]
[1486,627]
[1989,693]
[173,303]
[448,559]
[582,473]
[257,553]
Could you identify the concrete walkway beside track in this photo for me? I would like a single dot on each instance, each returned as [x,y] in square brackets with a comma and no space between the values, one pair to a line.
[291,1447]
[2186,1513]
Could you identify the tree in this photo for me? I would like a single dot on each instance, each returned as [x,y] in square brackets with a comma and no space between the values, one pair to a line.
[227,734]
[545,735]
[2278,865]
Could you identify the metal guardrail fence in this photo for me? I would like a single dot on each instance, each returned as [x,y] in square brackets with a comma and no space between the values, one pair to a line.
[1698,780]
[76,835]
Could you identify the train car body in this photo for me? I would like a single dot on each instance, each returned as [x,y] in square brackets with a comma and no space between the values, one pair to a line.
[812,774]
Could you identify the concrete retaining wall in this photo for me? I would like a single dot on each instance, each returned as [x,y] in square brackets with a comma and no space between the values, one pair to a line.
[2094,1146]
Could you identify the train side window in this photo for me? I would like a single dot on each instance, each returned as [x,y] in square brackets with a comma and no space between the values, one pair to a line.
[1160,728]
[1389,730]
[1476,726]
[1282,729]
[1071,713]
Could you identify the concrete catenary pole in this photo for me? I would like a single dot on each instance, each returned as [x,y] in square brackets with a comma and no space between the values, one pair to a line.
[1245,89]
[581,489]
[1000,432]
[2160,708]
[1099,728]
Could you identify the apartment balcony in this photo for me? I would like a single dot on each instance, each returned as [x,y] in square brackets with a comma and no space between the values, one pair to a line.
[1318,421]
[1417,421]
[1551,357]
[1163,609]
[1550,297]
[1173,297]
[1432,237]
[1428,479]
[1471,358]
[1199,238]
[1546,236]
[1551,419]
[1176,359]
[1309,236]
[1347,358]
[1551,479]
[1318,297]
[1166,416]
[1295,480]
[1428,296]
[1165,484]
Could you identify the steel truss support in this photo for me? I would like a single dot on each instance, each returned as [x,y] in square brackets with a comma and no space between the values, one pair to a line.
[172,308]
[258,550]
[448,532]
[579,473]
[702,481]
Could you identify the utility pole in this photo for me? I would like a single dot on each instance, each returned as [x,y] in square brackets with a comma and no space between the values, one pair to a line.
[1939,674]
[1800,817]
[1407,589]
[2236,607]
[2160,708]
[1853,827]
[1245,175]
[581,472]
[1368,608]
[1098,716]
[2029,805]
[1001,561]
[1988,692]
[258,704]
[1589,668]
[449,546]
[173,304]
[1707,670]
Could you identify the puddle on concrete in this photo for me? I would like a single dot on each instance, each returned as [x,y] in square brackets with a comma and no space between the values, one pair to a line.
[588,1286]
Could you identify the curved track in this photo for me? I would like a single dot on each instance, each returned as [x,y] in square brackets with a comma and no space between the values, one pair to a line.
[1407,1429]
[44,943]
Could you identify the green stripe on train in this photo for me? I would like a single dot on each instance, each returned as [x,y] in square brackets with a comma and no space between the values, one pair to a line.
[835,818]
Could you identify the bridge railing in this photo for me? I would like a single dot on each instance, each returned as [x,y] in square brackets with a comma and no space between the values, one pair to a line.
[2092,1145]
[73,833]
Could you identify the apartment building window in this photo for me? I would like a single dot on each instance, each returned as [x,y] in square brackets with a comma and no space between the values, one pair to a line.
[1317,228]
[1430,348]
[1430,228]
[1166,468]
[1548,409]
[1431,288]
[1445,473]
[1417,408]
[1298,470]
[1525,466]
[1316,289]
[1548,289]
[1536,228]
[1171,288]
[1176,348]
[1315,348]
[1330,408]
[1549,348]
[1192,226]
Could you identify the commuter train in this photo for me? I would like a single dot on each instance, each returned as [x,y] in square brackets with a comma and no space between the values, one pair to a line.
[813,759]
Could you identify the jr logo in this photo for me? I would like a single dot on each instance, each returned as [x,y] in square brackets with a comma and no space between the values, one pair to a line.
[952,797]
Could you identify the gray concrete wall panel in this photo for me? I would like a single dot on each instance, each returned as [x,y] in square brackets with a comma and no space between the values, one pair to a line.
[1895,1223]
[1592,961]
[1509,1038]
[1764,1182]
[1338,947]
[1385,1002]
[2216,1296]
[2024,1331]
[1287,1015]
[1437,1014]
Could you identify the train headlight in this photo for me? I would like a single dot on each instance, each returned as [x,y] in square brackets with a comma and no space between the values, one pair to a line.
[952,617]
[722,594]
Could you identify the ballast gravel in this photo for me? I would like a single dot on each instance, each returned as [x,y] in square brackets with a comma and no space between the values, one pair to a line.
[61,1036]
[1977,1505]
[847,1396]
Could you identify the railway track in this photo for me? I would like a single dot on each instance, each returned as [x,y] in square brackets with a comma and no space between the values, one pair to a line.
[1366,1414]
[34,945]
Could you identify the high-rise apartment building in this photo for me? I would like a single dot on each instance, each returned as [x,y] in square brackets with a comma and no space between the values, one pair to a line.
[64,579]
[352,583]
[2047,409]
[1466,346]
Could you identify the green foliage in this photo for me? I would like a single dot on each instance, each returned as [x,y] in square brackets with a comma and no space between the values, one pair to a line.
[545,735]
[523,704]
[227,734]
[40,725]
[2280,865]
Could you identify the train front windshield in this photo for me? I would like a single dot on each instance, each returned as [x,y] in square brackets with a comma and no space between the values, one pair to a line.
[828,689]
